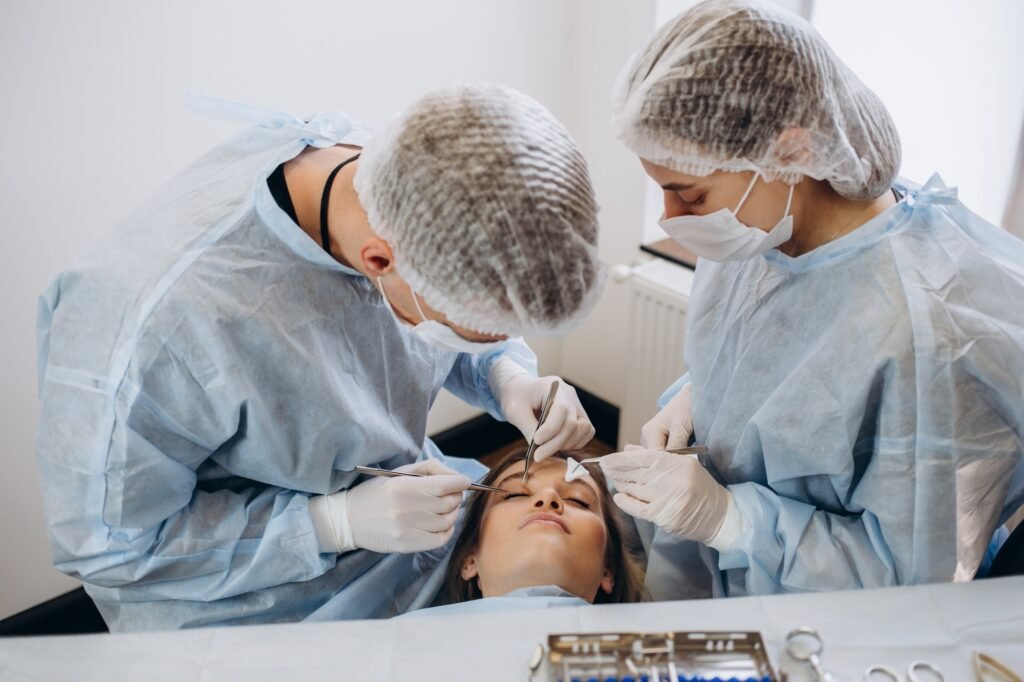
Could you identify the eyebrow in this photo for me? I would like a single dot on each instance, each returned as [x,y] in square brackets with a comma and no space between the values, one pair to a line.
[678,187]
[502,481]
[578,481]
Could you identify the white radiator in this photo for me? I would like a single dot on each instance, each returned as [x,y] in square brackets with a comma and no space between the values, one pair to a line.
[659,293]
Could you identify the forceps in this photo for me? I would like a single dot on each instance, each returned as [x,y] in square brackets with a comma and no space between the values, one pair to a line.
[692,450]
[805,644]
[387,473]
[545,407]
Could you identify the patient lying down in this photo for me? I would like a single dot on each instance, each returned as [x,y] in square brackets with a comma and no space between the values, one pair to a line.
[543,537]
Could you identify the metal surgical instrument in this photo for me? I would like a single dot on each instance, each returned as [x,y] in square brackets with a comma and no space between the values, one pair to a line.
[912,671]
[692,450]
[545,408]
[387,473]
[805,644]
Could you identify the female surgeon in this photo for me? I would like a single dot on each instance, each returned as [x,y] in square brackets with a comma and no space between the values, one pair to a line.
[855,346]
[287,308]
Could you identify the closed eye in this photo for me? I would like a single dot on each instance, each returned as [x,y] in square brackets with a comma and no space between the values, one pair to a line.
[510,495]
[582,503]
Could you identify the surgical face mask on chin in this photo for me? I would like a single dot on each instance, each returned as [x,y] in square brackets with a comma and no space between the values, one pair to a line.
[435,333]
[720,236]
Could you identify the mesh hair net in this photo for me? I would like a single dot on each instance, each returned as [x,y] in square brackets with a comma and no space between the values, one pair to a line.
[737,85]
[487,204]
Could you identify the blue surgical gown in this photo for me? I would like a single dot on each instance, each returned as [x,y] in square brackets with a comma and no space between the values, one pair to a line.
[864,403]
[206,370]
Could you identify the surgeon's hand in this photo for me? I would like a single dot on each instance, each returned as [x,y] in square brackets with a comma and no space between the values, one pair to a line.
[521,396]
[401,514]
[672,427]
[674,492]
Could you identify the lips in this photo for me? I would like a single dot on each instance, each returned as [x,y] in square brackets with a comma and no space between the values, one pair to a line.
[545,517]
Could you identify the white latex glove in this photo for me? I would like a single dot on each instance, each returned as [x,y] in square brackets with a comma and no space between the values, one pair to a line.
[521,396]
[674,492]
[399,514]
[672,427]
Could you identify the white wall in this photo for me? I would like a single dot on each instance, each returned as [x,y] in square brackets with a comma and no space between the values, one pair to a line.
[92,121]
[951,75]
[605,34]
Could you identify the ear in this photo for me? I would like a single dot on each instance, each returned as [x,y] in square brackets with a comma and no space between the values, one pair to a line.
[793,146]
[607,582]
[377,257]
[469,567]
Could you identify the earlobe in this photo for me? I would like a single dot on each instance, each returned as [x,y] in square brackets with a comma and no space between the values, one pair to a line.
[469,568]
[607,582]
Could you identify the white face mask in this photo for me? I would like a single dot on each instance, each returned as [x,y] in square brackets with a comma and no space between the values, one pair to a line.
[720,236]
[435,333]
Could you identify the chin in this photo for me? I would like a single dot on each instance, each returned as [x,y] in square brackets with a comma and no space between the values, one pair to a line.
[548,543]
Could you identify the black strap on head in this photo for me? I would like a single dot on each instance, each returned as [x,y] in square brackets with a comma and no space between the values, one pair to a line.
[325,199]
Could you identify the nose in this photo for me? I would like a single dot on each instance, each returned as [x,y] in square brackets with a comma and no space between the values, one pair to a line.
[546,500]
[674,205]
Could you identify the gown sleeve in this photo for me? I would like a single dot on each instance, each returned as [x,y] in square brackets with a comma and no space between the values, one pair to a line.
[118,464]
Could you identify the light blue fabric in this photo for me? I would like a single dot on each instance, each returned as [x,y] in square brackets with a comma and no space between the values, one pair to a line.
[542,597]
[863,402]
[672,390]
[202,373]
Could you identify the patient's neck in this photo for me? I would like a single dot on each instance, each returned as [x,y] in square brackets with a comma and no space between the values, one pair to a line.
[501,584]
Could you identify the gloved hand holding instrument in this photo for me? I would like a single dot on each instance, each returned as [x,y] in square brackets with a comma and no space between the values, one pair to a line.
[402,514]
[522,399]
[674,492]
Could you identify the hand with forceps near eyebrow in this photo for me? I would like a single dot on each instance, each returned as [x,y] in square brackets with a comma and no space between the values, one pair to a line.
[805,644]
[545,408]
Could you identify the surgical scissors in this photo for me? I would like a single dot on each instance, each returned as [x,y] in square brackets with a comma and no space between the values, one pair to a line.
[872,673]
[545,408]
[805,644]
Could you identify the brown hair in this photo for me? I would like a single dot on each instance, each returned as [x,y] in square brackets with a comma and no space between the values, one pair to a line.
[619,559]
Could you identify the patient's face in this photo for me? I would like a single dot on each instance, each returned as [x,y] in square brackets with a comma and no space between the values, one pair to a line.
[541,532]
